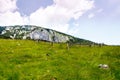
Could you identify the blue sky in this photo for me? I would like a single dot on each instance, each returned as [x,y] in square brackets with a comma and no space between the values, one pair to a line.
[95,20]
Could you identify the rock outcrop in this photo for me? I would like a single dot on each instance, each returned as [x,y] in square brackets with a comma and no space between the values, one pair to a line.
[37,33]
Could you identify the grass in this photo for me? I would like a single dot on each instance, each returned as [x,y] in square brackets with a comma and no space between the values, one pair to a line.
[30,60]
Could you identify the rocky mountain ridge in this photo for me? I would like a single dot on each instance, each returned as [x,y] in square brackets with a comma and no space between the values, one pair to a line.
[37,33]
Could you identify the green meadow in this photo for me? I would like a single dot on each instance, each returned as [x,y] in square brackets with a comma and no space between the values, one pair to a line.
[31,60]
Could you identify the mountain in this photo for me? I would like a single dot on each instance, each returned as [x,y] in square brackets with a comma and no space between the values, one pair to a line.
[38,33]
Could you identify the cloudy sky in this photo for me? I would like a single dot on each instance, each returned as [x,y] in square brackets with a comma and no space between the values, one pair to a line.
[95,20]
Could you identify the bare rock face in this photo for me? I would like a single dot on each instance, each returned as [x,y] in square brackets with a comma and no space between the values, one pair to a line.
[33,32]
[38,33]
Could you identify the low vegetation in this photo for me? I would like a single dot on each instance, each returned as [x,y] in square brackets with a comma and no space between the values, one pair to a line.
[30,60]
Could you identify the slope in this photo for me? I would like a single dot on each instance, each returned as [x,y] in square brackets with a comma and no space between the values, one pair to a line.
[38,33]
[29,60]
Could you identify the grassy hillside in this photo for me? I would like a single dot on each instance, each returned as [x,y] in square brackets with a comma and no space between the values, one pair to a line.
[30,60]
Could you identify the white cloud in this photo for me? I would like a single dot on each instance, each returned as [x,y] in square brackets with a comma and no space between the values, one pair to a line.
[55,16]
[7,5]
[9,14]
[91,15]
[10,18]
[51,17]
[60,13]
[94,13]
[76,7]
